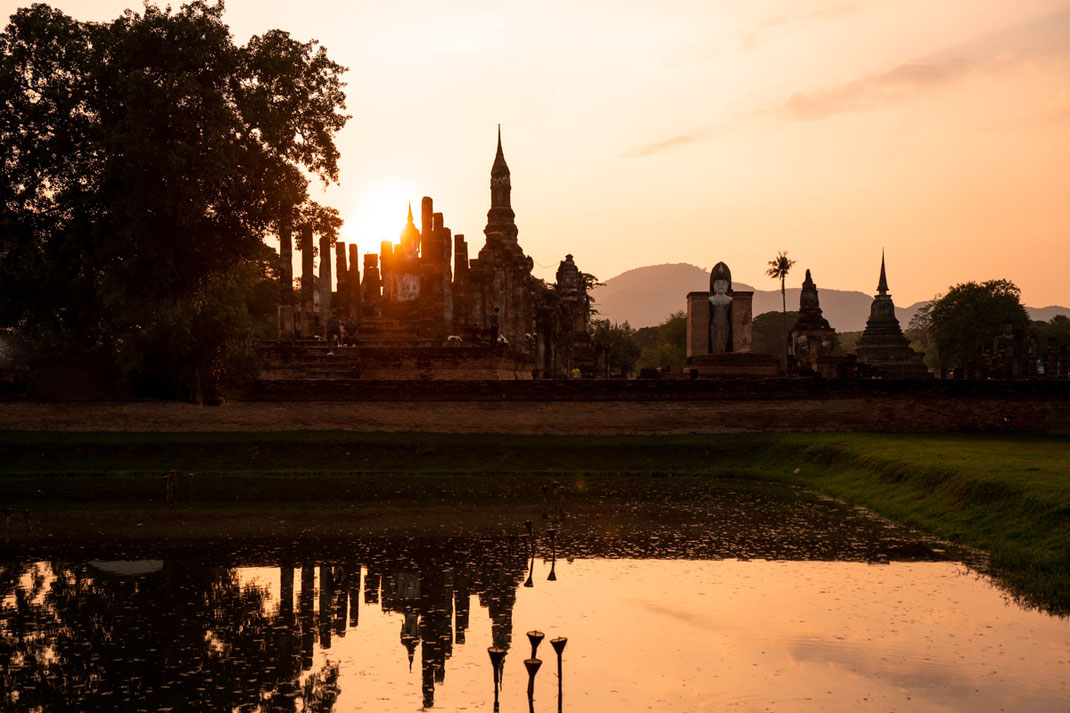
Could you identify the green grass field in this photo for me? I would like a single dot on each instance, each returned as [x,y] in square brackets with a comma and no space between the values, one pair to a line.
[1006,495]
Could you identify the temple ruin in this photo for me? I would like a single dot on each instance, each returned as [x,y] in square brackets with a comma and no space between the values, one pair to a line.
[425,310]
[882,347]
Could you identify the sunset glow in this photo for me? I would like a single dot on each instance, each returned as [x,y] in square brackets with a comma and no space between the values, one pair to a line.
[641,134]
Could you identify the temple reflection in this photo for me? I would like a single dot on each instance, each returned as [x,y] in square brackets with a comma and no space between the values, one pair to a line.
[190,633]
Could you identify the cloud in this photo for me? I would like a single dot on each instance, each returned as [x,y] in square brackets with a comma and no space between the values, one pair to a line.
[751,38]
[651,149]
[907,78]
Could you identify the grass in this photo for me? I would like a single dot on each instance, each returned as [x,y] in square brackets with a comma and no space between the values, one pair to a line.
[1008,495]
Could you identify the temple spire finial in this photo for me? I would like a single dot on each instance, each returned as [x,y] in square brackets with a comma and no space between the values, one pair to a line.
[410,211]
[882,286]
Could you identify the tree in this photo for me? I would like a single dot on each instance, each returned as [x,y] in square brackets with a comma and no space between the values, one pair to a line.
[664,345]
[146,158]
[768,335]
[778,269]
[619,342]
[963,322]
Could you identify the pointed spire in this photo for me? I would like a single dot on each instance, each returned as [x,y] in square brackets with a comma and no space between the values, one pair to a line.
[500,167]
[882,286]
[410,211]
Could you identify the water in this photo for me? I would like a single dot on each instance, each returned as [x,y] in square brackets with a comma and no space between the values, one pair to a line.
[746,599]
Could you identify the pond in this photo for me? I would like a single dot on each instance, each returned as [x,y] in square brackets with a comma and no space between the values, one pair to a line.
[745,597]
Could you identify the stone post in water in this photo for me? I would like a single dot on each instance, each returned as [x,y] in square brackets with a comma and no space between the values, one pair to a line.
[308,304]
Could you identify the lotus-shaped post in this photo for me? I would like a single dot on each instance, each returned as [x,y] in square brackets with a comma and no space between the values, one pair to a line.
[497,655]
[531,572]
[552,532]
[535,638]
[559,649]
[532,665]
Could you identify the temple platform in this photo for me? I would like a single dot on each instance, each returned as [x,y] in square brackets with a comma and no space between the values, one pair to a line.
[732,365]
[379,357]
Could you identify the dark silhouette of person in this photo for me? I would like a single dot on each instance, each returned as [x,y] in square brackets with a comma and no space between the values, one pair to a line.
[334,333]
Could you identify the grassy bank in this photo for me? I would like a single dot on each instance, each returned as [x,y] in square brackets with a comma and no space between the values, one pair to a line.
[1007,495]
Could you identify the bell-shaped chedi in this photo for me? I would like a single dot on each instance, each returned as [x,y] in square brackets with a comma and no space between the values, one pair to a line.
[812,337]
[882,345]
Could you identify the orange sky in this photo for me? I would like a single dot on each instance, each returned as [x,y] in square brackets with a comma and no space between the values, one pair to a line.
[641,133]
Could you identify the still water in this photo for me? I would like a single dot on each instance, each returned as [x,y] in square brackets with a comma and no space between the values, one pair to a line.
[755,599]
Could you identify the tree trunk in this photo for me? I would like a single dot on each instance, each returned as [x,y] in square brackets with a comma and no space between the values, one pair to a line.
[784,319]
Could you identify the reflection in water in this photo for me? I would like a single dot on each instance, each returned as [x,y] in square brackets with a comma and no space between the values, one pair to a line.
[680,615]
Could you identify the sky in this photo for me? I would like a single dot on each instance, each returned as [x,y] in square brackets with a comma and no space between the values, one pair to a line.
[641,133]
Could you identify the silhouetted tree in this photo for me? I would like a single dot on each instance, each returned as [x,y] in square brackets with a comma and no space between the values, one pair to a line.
[619,342]
[963,322]
[768,335]
[778,269]
[146,159]
[665,344]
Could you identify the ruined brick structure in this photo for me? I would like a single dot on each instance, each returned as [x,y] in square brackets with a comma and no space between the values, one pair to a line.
[812,337]
[563,327]
[719,332]
[501,275]
[423,295]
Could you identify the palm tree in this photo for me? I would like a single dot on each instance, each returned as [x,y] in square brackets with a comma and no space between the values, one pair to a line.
[779,268]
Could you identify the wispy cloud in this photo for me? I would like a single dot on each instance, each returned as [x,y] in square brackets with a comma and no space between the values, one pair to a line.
[752,38]
[658,147]
[866,92]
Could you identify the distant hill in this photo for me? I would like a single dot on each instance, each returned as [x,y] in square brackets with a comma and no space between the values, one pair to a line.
[645,296]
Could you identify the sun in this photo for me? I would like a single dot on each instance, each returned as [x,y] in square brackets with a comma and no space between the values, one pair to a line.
[379,214]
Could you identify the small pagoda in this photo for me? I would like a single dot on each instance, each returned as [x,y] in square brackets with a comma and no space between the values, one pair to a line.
[812,337]
[882,346]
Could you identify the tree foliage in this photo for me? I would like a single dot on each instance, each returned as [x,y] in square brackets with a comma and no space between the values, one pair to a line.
[768,334]
[664,345]
[963,322]
[144,161]
[619,343]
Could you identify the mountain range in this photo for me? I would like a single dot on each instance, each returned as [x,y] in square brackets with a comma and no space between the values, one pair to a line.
[645,296]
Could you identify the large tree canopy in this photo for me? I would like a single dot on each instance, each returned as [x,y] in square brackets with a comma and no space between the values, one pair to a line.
[145,159]
[962,322]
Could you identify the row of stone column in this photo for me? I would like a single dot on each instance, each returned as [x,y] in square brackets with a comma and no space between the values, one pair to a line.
[303,321]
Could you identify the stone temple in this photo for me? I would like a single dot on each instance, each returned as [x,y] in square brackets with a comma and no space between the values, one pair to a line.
[425,310]
[882,346]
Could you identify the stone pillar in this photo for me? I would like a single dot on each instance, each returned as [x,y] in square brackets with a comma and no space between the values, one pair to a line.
[325,281]
[741,319]
[308,304]
[447,276]
[286,280]
[343,277]
[353,281]
[386,273]
[426,217]
[370,288]
[698,323]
